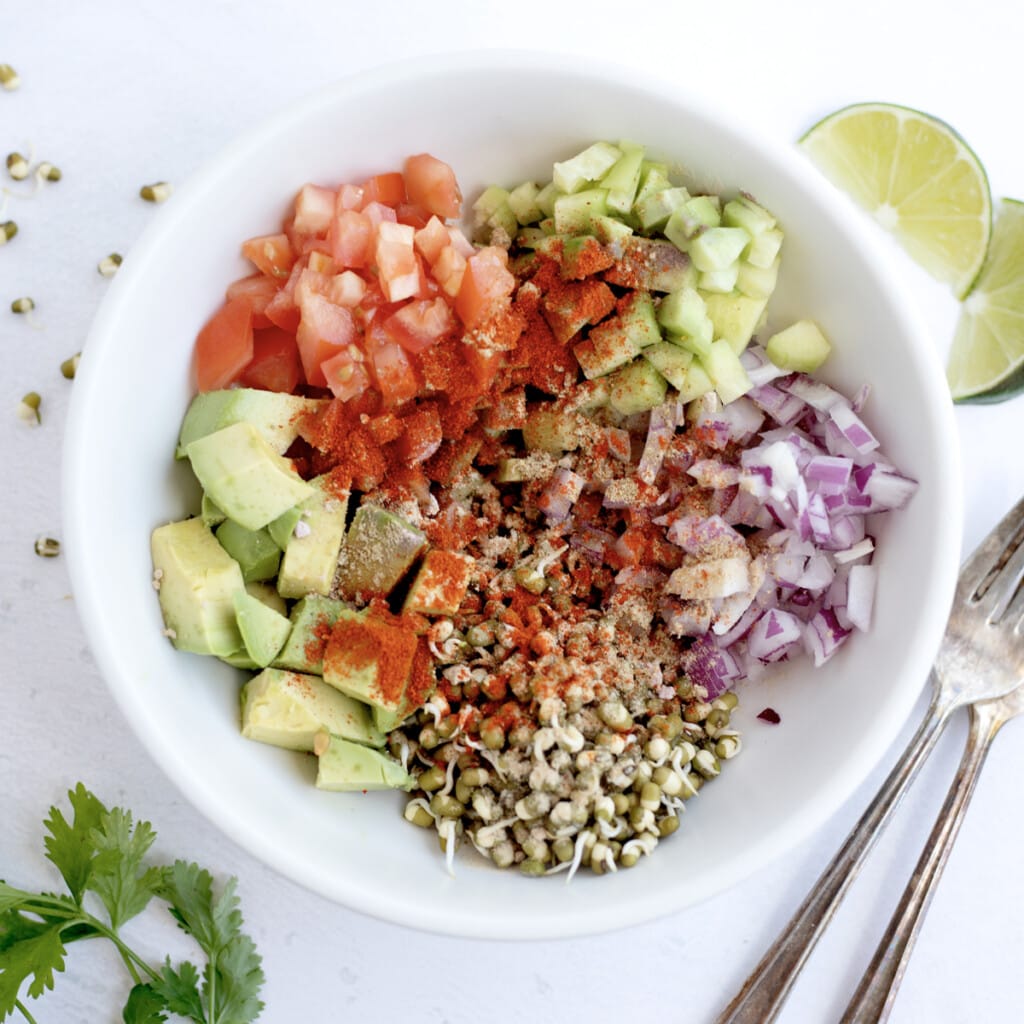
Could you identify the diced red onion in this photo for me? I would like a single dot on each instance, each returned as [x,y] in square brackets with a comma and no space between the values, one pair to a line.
[852,428]
[686,619]
[711,666]
[860,595]
[695,534]
[760,369]
[774,636]
[823,636]
[560,495]
[592,541]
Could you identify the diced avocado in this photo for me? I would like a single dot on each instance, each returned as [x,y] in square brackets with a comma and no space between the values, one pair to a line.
[241,659]
[671,362]
[387,720]
[264,631]
[604,350]
[757,282]
[718,248]
[743,212]
[210,514]
[589,166]
[254,550]
[198,581]
[370,659]
[623,178]
[312,620]
[288,709]
[522,201]
[735,317]
[245,477]
[651,264]
[377,552]
[282,529]
[726,371]
[274,414]
[267,593]
[574,214]
[440,584]
[545,199]
[637,388]
[655,208]
[345,767]
[801,346]
[719,281]
[764,248]
[583,255]
[311,557]
[552,430]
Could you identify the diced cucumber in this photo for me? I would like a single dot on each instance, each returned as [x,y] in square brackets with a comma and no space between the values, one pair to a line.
[604,350]
[488,203]
[545,199]
[552,430]
[682,311]
[637,388]
[654,209]
[718,248]
[719,281]
[576,304]
[757,282]
[735,317]
[574,214]
[653,178]
[764,248]
[671,362]
[590,165]
[623,179]
[699,342]
[726,371]
[515,471]
[801,346]
[705,210]
[698,383]
[582,256]
[743,212]
[522,201]
[609,230]
[493,219]
[531,238]
[639,319]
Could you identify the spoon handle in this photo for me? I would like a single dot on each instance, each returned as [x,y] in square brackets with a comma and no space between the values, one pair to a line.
[873,1000]
[763,993]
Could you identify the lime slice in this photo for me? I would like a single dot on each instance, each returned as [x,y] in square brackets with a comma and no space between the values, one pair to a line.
[986,361]
[918,178]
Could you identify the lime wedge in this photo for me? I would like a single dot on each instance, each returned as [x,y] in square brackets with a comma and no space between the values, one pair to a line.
[986,361]
[918,178]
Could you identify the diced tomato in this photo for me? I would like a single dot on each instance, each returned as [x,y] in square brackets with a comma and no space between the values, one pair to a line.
[431,239]
[346,289]
[259,291]
[484,364]
[421,436]
[308,245]
[486,283]
[393,374]
[431,184]
[421,323]
[224,345]
[346,374]
[324,329]
[448,270]
[275,364]
[463,246]
[379,213]
[321,262]
[351,238]
[272,254]
[314,210]
[388,189]
[396,261]
[350,197]
[411,214]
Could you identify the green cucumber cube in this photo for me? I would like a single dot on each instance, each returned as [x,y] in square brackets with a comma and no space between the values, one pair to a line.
[574,214]
[654,209]
[651,264]
[610,230]
[706,210]
[588,166]
[623,179]
[801,347]
[718,248]
[552,430]
[764,248]
[757,282]
[637,388]
[522,201]
[735,317]
[653,178]
[670,361]
[719,281]
[726,371]
[698,383]
[605,349]
[682,311]
[743,212]
[545,199]
[639,318]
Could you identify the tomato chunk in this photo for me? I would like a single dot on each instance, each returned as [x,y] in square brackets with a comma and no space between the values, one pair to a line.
[448,270]
[275,364]
[431,184]
[314,209]
[259,291]
[484,364]
[388,189]
[421,323]
[224,345]
[421,436]
[485,284]
[346,373]
[324,329]
[271,254]
[396,261]
[431,239]
[392,372]
[351,238]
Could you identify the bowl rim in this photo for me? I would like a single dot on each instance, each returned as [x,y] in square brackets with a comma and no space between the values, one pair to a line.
[810,817]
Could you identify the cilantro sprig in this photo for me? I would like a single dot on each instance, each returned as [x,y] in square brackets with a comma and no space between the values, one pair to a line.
[101,855]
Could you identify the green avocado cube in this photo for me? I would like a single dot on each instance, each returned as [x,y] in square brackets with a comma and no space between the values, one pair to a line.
[275,415]
[440,584]
[210,514]
[267,593]
[263,630]
[345,767]
[289,709]
[245,477]
[311,558]
[378,550]
[198,581]
[312,620]
[282,529]
[254,550]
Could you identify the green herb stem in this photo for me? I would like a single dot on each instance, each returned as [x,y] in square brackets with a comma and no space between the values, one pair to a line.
[23,1010]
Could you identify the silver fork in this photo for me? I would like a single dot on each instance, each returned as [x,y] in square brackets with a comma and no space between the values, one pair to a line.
[873,1000]
[980,658]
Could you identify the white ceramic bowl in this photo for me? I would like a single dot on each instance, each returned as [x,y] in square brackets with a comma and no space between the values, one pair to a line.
[496,117]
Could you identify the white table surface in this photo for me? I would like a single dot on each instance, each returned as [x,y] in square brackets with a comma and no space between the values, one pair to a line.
[121,94]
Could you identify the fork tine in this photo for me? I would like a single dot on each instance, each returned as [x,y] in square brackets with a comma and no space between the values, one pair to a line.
[1003,586]
[989,556]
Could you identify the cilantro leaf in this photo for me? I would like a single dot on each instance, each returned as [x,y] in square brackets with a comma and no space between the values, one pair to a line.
[180,990]
[34,956]
[145,1006]
[11,898]
[70,846]
[239,979]
[118,877]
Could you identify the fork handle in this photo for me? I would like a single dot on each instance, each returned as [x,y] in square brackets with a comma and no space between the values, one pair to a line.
[763,993]
[873,1000]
